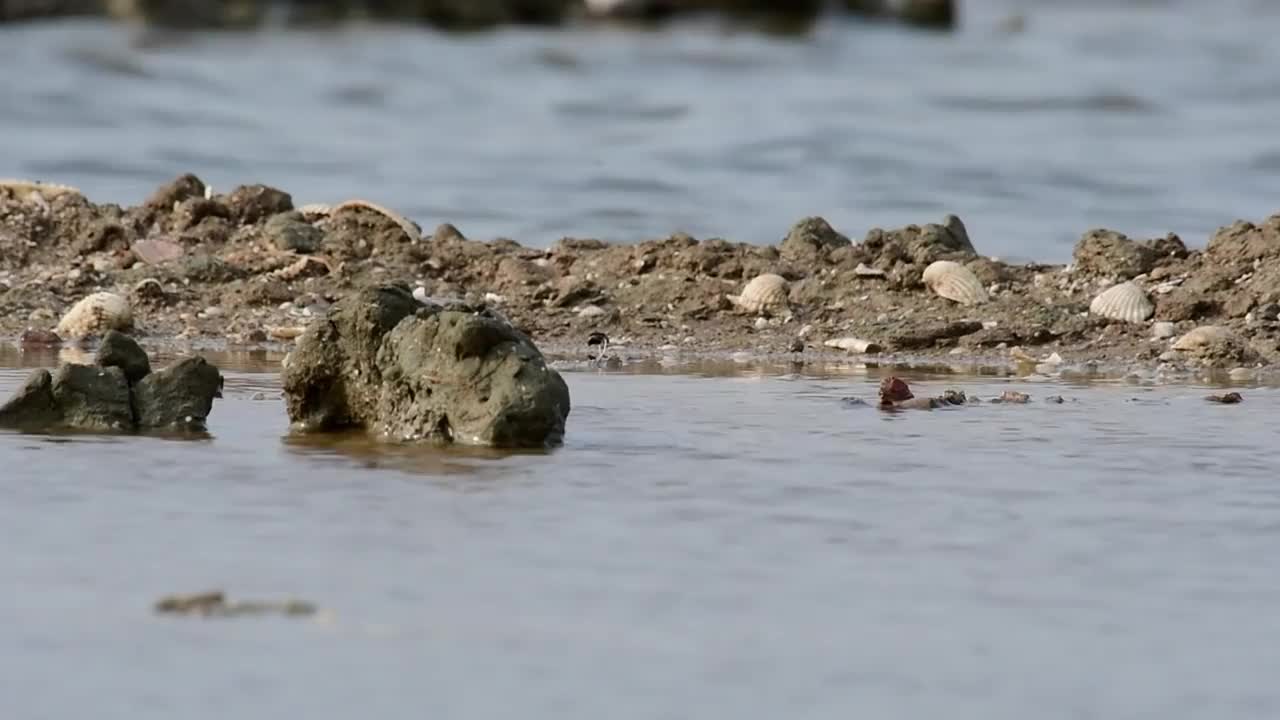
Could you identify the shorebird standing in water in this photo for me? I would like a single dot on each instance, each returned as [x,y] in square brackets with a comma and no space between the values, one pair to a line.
[600,342]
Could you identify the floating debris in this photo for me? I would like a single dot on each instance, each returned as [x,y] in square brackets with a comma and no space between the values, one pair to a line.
[1013,397]
[1230,398]
[215,604]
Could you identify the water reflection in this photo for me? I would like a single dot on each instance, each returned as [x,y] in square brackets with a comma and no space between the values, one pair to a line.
[359,450]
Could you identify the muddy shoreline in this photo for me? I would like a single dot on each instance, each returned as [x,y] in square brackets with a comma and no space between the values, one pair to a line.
[250,267]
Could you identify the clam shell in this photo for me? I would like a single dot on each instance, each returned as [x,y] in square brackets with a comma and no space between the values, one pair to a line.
[95,315]
[1126,302]
[1203,337]
[765,294]
[954,282]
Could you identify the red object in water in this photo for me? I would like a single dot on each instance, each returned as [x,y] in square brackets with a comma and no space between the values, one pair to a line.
[894,389]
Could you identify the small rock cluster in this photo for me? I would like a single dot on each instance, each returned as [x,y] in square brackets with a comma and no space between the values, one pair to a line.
[119,392]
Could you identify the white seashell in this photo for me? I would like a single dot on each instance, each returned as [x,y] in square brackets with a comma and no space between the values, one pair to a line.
[1126,302]
[1205,336]
[853,344]
[954,282]
[95,315]
[766,294]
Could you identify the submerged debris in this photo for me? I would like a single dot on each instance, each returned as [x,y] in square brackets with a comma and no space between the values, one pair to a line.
[1230,398]
[215,604]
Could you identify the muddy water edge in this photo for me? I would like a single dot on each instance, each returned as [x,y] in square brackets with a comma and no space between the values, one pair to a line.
[732,538]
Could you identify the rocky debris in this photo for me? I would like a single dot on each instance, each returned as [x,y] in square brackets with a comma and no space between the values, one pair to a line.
[919,244]
[1107,253]
[117,393]
[215,604]
[250,271]
[404,370]
[290,233]
[810,241]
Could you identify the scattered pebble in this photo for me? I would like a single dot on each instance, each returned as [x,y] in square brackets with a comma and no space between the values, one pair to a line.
[1163,330]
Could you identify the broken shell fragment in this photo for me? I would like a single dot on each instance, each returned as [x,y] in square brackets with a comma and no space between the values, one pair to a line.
[411,231]
[1125,302]
[765,295]
[1203,337]
[954,282]
[853,344]
[95,315]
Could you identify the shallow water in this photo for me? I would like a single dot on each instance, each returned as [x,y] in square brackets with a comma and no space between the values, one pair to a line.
[1142,116]
[735,546]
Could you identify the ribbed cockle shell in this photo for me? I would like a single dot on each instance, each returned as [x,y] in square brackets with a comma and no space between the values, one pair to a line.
[1126,302]
[766,294]
[95,315]
[954,282]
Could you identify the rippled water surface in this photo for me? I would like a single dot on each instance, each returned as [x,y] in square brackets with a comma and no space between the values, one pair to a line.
[1144,116]
[741,546]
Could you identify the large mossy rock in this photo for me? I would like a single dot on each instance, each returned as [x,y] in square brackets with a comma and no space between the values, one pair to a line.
[382,361]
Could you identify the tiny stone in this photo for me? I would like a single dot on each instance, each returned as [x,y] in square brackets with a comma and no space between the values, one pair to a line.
[212,312]
[74,274]
[1168,356]
[1162,330]
[761,323]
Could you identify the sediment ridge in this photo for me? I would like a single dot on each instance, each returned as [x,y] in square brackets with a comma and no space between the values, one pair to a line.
[251,268]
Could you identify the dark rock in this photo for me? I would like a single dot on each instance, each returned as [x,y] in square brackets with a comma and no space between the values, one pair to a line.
[919,244]
[935,14]
[92,398]
[809,242]
[1168,247]
[102,235]
[120,350]
[191,212]
[179,397]
[1230,398]
[1111,254]
[33,405]
[250,204]
[208,269]
[170,194]
[288,232]
[380,360]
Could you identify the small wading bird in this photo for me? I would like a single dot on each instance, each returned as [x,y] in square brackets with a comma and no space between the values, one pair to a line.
[599,343]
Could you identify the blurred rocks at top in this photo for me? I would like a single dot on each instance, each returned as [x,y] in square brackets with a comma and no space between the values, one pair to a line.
[788,15]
